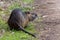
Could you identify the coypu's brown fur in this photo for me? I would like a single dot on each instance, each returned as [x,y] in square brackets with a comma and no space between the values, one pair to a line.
[18,20]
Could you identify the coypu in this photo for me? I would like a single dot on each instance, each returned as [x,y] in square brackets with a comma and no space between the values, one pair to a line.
[18,20]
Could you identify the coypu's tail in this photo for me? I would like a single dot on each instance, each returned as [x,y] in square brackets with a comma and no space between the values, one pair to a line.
[21,28]
[27,32]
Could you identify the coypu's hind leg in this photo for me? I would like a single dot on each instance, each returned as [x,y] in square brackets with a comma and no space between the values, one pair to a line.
[10,26]
[26,26]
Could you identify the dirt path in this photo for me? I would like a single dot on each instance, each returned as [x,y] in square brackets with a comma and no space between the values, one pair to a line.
[49,28]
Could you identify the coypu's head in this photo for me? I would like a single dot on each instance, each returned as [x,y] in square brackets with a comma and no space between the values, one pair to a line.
[31,16]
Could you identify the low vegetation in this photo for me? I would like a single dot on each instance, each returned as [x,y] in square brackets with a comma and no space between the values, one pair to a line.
[5,33]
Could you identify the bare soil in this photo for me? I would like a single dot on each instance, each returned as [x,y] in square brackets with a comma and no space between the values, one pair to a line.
[49,27]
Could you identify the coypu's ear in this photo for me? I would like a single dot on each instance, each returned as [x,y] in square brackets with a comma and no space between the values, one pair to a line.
[27,12]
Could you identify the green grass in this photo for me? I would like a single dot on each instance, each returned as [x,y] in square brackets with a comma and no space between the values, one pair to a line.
[15,35]
[17,5]
[28,2]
